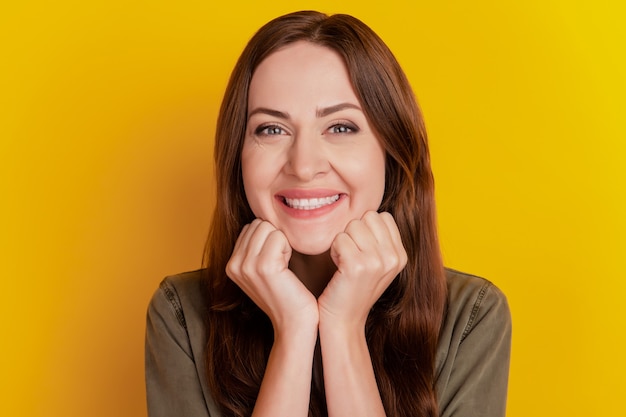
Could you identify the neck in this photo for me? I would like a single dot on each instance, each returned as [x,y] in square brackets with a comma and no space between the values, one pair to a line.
[313,270]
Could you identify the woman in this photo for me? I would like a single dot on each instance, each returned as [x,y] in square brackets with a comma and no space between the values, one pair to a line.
[324,291]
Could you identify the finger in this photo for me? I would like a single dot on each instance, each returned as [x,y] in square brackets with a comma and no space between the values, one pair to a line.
[378,226]
[234,263]
[361,234]
[389,246]
[245,241]
[240,238]
[257,238]
[241,249]
[390,223]
[276,249]
[394,232]
[343,249]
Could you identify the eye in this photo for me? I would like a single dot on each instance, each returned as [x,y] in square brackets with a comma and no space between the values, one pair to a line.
[269,130]
[343,128]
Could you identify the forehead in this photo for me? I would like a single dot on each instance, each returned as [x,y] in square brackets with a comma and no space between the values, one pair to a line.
[301,71]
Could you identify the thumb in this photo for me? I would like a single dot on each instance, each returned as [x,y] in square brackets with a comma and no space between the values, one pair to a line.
[340,247]
[279,242]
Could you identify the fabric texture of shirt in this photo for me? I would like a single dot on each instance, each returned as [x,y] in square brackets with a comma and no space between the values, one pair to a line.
[472,364]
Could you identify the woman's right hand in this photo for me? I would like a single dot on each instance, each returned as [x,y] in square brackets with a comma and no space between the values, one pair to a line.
[259,265]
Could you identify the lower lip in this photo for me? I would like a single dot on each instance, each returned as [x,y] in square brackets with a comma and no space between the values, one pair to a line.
[307,214]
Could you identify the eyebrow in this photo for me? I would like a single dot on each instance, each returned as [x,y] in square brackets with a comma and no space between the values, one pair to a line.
[319,113]
[334,109]
[265,110]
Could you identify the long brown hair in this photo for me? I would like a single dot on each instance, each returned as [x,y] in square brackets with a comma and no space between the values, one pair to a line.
[403,327]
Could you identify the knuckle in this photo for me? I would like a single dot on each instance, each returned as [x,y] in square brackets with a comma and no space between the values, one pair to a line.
[275,235]
[370,215]
[393,260]
[352,224]
[265,225]
[373,264]
[247,269]
[339,239]
[231,268]
[263,268]
[404,258]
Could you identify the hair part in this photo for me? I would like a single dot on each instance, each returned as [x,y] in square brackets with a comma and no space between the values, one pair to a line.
[403,327]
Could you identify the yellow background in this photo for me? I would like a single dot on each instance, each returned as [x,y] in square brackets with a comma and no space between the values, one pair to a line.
[106,123]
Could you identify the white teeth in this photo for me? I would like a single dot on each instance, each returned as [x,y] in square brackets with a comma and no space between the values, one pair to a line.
[310,203]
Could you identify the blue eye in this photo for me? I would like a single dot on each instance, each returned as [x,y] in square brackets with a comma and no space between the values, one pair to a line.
[269,130]
[343,128]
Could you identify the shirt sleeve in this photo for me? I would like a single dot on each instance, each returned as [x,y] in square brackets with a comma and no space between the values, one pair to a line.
[172,382]
[475,376]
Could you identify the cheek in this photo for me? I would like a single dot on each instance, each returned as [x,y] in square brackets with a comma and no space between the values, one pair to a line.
[377,188]
[249,175]
[366,180]
[257,177]
[372,178]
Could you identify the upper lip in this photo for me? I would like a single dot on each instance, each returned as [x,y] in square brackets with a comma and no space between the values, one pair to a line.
[302,193]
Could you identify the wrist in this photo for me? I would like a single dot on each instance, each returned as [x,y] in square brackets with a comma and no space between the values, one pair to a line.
[296,331]
[341,330]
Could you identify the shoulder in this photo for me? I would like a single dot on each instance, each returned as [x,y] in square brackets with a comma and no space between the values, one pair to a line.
[175,348]
[179,304]
[461,285]
[471,297]
[184,294]
[474,347]
[475,309]
[473,352]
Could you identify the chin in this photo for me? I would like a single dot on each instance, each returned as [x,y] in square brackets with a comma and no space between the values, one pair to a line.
[310,248]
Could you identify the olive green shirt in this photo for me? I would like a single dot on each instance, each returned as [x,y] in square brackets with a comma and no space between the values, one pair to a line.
[472,364]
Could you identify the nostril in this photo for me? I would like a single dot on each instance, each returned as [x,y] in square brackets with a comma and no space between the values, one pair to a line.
[307,162]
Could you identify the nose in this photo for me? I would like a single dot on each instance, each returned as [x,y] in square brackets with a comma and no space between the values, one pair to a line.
[306,158]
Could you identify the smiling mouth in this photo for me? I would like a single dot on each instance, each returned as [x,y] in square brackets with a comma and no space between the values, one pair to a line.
[310,203]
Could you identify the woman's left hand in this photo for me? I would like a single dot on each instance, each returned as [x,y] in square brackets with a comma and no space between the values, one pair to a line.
[369,254]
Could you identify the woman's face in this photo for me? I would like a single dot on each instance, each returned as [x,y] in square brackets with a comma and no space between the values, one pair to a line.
[310,161]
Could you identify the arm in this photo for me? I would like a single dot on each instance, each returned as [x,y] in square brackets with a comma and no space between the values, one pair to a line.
[369,255]
[473,380]
[286,387]
[172,383]
[349,379]
[259,266]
